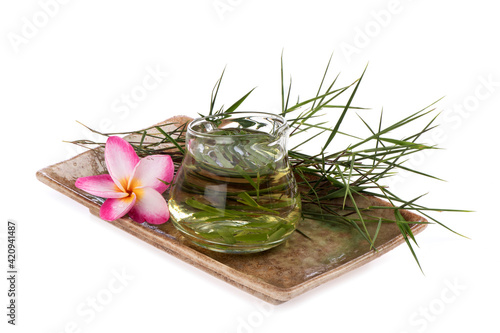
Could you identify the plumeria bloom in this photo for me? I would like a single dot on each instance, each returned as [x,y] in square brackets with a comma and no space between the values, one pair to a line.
[133,185]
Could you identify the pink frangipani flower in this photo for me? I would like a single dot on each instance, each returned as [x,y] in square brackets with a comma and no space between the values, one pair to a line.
[133,185]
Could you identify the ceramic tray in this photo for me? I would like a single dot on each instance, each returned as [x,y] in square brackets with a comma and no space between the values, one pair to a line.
[276,275]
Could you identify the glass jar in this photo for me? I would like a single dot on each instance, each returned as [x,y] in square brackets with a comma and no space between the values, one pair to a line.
[235,191]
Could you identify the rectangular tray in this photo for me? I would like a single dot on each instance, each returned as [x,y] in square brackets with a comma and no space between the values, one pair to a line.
[276,275]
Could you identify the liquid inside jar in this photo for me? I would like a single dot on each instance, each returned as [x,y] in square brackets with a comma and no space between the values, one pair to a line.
[237,194]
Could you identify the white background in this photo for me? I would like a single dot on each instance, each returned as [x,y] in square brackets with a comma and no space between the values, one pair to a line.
[77,64]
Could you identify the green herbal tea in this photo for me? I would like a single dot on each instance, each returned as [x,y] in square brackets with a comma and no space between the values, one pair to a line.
[235,196]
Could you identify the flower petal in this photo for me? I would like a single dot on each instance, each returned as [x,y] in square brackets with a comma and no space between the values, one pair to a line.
[149,170]
[113,209]
[121,160]
[101,186]
[150,207]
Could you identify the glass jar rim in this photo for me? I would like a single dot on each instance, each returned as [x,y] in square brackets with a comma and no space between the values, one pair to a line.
[283,126]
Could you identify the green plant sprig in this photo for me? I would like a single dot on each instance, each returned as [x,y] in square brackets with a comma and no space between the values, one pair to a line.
[348,174]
